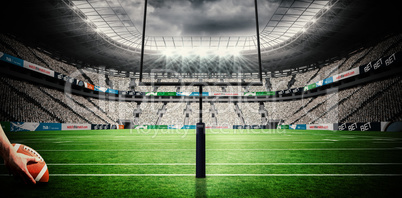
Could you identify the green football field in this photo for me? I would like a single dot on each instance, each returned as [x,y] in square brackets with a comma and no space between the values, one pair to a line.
[240,163]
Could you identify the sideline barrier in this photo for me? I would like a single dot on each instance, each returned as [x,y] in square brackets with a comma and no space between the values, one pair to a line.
[357,126]
[298,126]
[320,127]
[70,126]
[32,126]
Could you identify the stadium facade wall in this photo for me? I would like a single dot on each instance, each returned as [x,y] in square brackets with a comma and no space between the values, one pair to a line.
[363,69]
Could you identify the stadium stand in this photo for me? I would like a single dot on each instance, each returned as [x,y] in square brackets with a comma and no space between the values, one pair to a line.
[30,102]
[174,114]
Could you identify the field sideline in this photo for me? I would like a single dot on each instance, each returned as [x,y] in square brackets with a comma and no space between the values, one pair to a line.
[246,163]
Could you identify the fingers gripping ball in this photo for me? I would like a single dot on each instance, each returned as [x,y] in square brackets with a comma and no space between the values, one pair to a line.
[38,170]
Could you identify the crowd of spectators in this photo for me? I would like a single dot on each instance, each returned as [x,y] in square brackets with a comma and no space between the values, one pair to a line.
[174,114]
[93,110]
[15,106]
[36,95]
[356,58]
[226,115]
[15,48]
[375,101]
[206,115]
[114,110]
[250,113]
[149,115]
[358,104]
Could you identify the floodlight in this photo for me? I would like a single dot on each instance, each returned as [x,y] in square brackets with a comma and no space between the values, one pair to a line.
[184,52]
[235,51]
[229,52]
[221,53]
[202,52]
[168,52]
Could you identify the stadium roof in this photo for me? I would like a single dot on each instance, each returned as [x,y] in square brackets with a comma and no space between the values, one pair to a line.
[218,22]
[59,28]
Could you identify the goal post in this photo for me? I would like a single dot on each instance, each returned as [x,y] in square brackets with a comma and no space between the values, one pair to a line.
[200,127]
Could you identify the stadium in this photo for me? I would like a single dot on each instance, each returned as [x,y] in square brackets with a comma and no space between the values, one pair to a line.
[204,98]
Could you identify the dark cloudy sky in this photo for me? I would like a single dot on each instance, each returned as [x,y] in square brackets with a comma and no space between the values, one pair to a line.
[200,17]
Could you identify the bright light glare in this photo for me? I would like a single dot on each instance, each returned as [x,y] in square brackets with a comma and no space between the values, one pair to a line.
[234,52]
[313,20]
[168,53]
[184,52]
[222,53]
[201,52]
[228,52]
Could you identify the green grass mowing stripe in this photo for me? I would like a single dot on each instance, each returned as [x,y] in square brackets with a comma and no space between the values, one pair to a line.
[209,187]
[267,169]
[223,185]
[233,175]
[228,169]
[223,164]
[136,140]
[273,149]
[305,175]
[226,157]
[316,142]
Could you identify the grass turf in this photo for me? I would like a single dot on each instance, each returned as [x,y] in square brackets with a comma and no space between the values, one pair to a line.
[131,155]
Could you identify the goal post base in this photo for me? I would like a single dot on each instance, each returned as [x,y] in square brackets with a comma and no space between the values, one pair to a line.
[200,150]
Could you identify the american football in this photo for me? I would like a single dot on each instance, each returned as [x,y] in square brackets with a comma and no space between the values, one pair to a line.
[38,170]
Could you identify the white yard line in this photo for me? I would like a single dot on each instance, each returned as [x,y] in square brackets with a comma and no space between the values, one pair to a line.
[313,142]
[305,175]
[221,175]
[123,164]
[133,141]
[225,164]
[290,149]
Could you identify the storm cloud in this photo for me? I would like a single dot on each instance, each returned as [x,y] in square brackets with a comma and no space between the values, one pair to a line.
[199,17]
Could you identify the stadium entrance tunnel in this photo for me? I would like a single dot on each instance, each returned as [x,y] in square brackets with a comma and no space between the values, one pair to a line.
[128,124]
